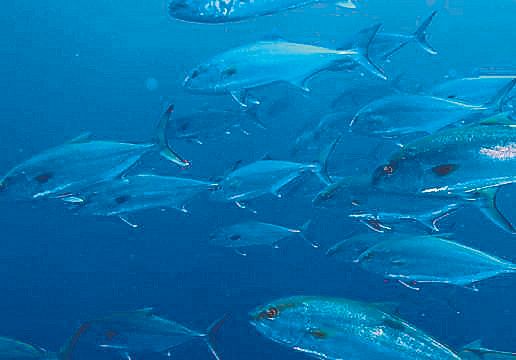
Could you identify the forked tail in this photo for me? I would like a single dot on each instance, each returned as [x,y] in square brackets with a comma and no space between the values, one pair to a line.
[162,141]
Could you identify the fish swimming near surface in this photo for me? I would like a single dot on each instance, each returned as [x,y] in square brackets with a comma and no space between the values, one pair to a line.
[399,115]
[255,233]
[80,163]
[337,328]
[475,351]
[223,11]
[123,196]
[138,332]
[471,90]
[266,62]
[470,161]
[265,177]
[431,259]
[11,349]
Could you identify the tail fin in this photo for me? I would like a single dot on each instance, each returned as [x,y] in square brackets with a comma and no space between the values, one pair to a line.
[420,35]
[323,162]
[65,353]
[501,97]
[361,46]
[210,335]
[486,201]
[161,139]
[303,231]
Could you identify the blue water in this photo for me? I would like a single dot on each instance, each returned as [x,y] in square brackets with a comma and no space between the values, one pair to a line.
[74,66]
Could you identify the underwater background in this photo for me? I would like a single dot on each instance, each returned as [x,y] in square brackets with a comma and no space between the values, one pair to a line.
[111,67]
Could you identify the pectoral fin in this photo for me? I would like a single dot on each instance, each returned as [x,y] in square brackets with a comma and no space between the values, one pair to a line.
[486,202]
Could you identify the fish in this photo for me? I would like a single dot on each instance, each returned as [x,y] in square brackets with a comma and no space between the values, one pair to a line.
[264,177]
[423,259]
[224,11]
[398,115]
[475,351]
[210,125]
[353,246]
[256,233]
[82,162]
[379,210]
[471,90]
[339,328]
[470,161]
[138,332]
[266,62]
[386,44]
[11,349]
[129,194]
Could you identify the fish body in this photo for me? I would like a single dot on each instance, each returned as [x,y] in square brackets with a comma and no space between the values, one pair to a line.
[139,192]
[136,332]
[252,233]
[430,259]
[11,349]
[222,11]
[266,62]
[332,328]
[351,248]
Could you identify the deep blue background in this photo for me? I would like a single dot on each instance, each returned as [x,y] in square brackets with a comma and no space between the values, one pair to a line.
[70,66]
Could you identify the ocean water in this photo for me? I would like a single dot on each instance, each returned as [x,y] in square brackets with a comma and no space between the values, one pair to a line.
[111,67]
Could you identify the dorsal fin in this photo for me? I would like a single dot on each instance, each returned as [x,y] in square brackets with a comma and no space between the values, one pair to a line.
[82,138]
[475,345]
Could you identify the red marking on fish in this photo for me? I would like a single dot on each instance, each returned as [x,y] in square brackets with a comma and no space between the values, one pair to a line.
[443,170]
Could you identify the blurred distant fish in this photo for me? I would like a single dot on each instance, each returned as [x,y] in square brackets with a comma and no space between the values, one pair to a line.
[266,62]
[338,328]
[11,349]
[136,333]
[398,115]
[221,11]
[470,161]
[254,233]
[350,248]
[430,259]
[268,177]
[475,351]
[387,44]
[472,90]
[121,197]
[80,163]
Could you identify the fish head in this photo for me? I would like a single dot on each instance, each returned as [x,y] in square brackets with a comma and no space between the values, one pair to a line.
[284,320]
[209,78]
[225,237]
[23,185]
[399,175]
[203,11]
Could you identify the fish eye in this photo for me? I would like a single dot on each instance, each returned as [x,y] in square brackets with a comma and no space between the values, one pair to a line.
[271,313]
[195,73]
[235,237]
[388,169]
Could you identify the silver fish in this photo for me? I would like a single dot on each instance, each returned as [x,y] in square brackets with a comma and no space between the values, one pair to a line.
[222,11]
[398,115]
[256,233]
[335,329]
[430,259]
[265,62]
[11,349]
[80,163]
[138,332]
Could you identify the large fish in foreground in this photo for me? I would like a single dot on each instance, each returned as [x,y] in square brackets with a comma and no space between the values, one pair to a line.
[137,332]
[335,329]
[266,62]
[11,349]
[82,162]
[399,115]
[222,11]
[430,259]
[129,194]
[470,161]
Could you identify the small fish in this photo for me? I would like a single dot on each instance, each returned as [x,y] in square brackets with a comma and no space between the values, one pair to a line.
[398,115]
[431,259]
[472,90]
[223,11]
[255,233]
[265,177]
[475,351]
[266,62]
[129,194]
[11,349]
[138,332]
[470,161]
[338,328]
[387,44]
[80,163]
